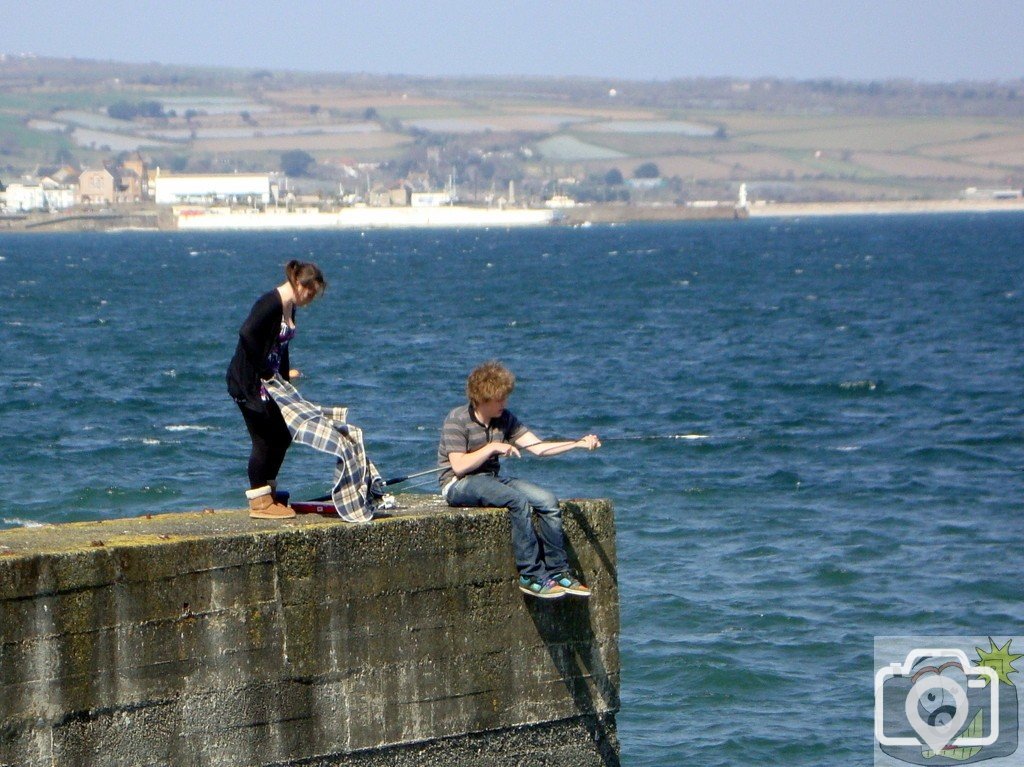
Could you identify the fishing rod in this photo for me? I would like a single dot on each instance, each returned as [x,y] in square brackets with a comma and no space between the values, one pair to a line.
[559,444]
[623,438]
[645,437]
[397,480]
[421,483]
[392,480]
[629,438]
[634,438]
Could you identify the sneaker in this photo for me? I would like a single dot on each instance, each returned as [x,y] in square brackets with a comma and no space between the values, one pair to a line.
[571,584]
[546,589]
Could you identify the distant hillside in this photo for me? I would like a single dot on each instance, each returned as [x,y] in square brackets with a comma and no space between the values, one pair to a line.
[587,138]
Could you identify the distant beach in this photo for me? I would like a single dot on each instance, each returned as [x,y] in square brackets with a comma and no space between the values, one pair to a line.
[154,218]
[882,208]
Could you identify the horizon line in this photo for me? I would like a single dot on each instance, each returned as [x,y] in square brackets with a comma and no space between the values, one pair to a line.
[5,56]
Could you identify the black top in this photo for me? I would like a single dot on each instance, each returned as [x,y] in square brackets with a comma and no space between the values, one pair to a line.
[256,339]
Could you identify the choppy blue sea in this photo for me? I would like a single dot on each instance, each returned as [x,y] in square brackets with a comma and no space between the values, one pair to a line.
[851,393]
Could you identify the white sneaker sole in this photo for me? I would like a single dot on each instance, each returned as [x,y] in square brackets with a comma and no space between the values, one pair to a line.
[556,595]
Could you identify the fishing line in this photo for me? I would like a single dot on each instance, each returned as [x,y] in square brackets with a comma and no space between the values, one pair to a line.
[645,437]
[621,438]
[558,444]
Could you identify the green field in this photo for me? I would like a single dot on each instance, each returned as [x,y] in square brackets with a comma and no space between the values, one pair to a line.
[785,139]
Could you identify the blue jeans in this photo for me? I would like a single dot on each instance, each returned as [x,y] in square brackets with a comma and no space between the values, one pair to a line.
[537,555]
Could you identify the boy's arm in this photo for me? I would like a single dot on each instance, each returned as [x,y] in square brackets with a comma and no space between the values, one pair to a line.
[532,443]
[464,463]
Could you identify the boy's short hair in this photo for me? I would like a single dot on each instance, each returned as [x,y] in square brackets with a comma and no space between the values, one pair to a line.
[488,381]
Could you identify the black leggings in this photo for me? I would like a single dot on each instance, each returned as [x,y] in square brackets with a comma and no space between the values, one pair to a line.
[270,441]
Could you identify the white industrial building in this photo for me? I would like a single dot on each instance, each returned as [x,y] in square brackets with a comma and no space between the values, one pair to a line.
[973,193]
[430,199]
[46,194]
[241,188]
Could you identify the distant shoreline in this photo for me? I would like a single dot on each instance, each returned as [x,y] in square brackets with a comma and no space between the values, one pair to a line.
[148,218]
[882,208]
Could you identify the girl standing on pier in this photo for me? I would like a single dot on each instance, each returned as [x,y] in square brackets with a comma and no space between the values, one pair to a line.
[261,353]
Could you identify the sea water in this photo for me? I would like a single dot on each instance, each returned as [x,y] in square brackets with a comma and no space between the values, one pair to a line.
[820,423]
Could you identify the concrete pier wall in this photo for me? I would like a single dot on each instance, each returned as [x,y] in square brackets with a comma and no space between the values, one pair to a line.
[212,639]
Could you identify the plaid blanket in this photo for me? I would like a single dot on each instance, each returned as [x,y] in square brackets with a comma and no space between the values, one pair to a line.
[327,430]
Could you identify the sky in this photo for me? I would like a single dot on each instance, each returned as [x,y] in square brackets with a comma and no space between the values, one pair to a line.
[924,40]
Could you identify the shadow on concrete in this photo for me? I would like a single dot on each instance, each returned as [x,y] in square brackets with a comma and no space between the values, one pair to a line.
[571,510]
[567,628]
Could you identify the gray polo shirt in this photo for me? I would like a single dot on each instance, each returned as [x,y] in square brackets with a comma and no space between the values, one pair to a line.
[463,433]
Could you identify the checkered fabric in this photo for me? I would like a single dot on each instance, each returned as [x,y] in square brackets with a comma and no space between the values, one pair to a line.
[325,429]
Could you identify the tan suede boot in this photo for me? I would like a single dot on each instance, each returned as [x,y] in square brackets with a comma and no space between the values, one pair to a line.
[262,505]
[280,496]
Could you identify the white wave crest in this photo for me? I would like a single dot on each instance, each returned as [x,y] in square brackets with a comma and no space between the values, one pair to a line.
[20,522]
[141,440]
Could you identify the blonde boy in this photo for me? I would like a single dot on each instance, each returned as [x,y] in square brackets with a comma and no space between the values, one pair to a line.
[474,437]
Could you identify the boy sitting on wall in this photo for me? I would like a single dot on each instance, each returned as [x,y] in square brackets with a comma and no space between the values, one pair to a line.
[473,438]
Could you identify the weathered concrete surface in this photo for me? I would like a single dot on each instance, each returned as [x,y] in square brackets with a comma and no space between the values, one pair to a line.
[213,639]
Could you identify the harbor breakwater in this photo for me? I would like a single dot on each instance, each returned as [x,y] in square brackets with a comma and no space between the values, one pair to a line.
[208,638]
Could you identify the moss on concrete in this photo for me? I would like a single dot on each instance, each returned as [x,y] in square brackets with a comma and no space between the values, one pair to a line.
[211,638]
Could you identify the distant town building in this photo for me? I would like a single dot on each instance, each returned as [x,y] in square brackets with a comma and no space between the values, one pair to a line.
[65,175]
[96,187]
[560,201]
[242,188]
[109,186]
[381,197]
[430,199]
[400,196]
[59,195]
[974,193]
[43,194]
[129,186]
[135,164]
[19,198]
